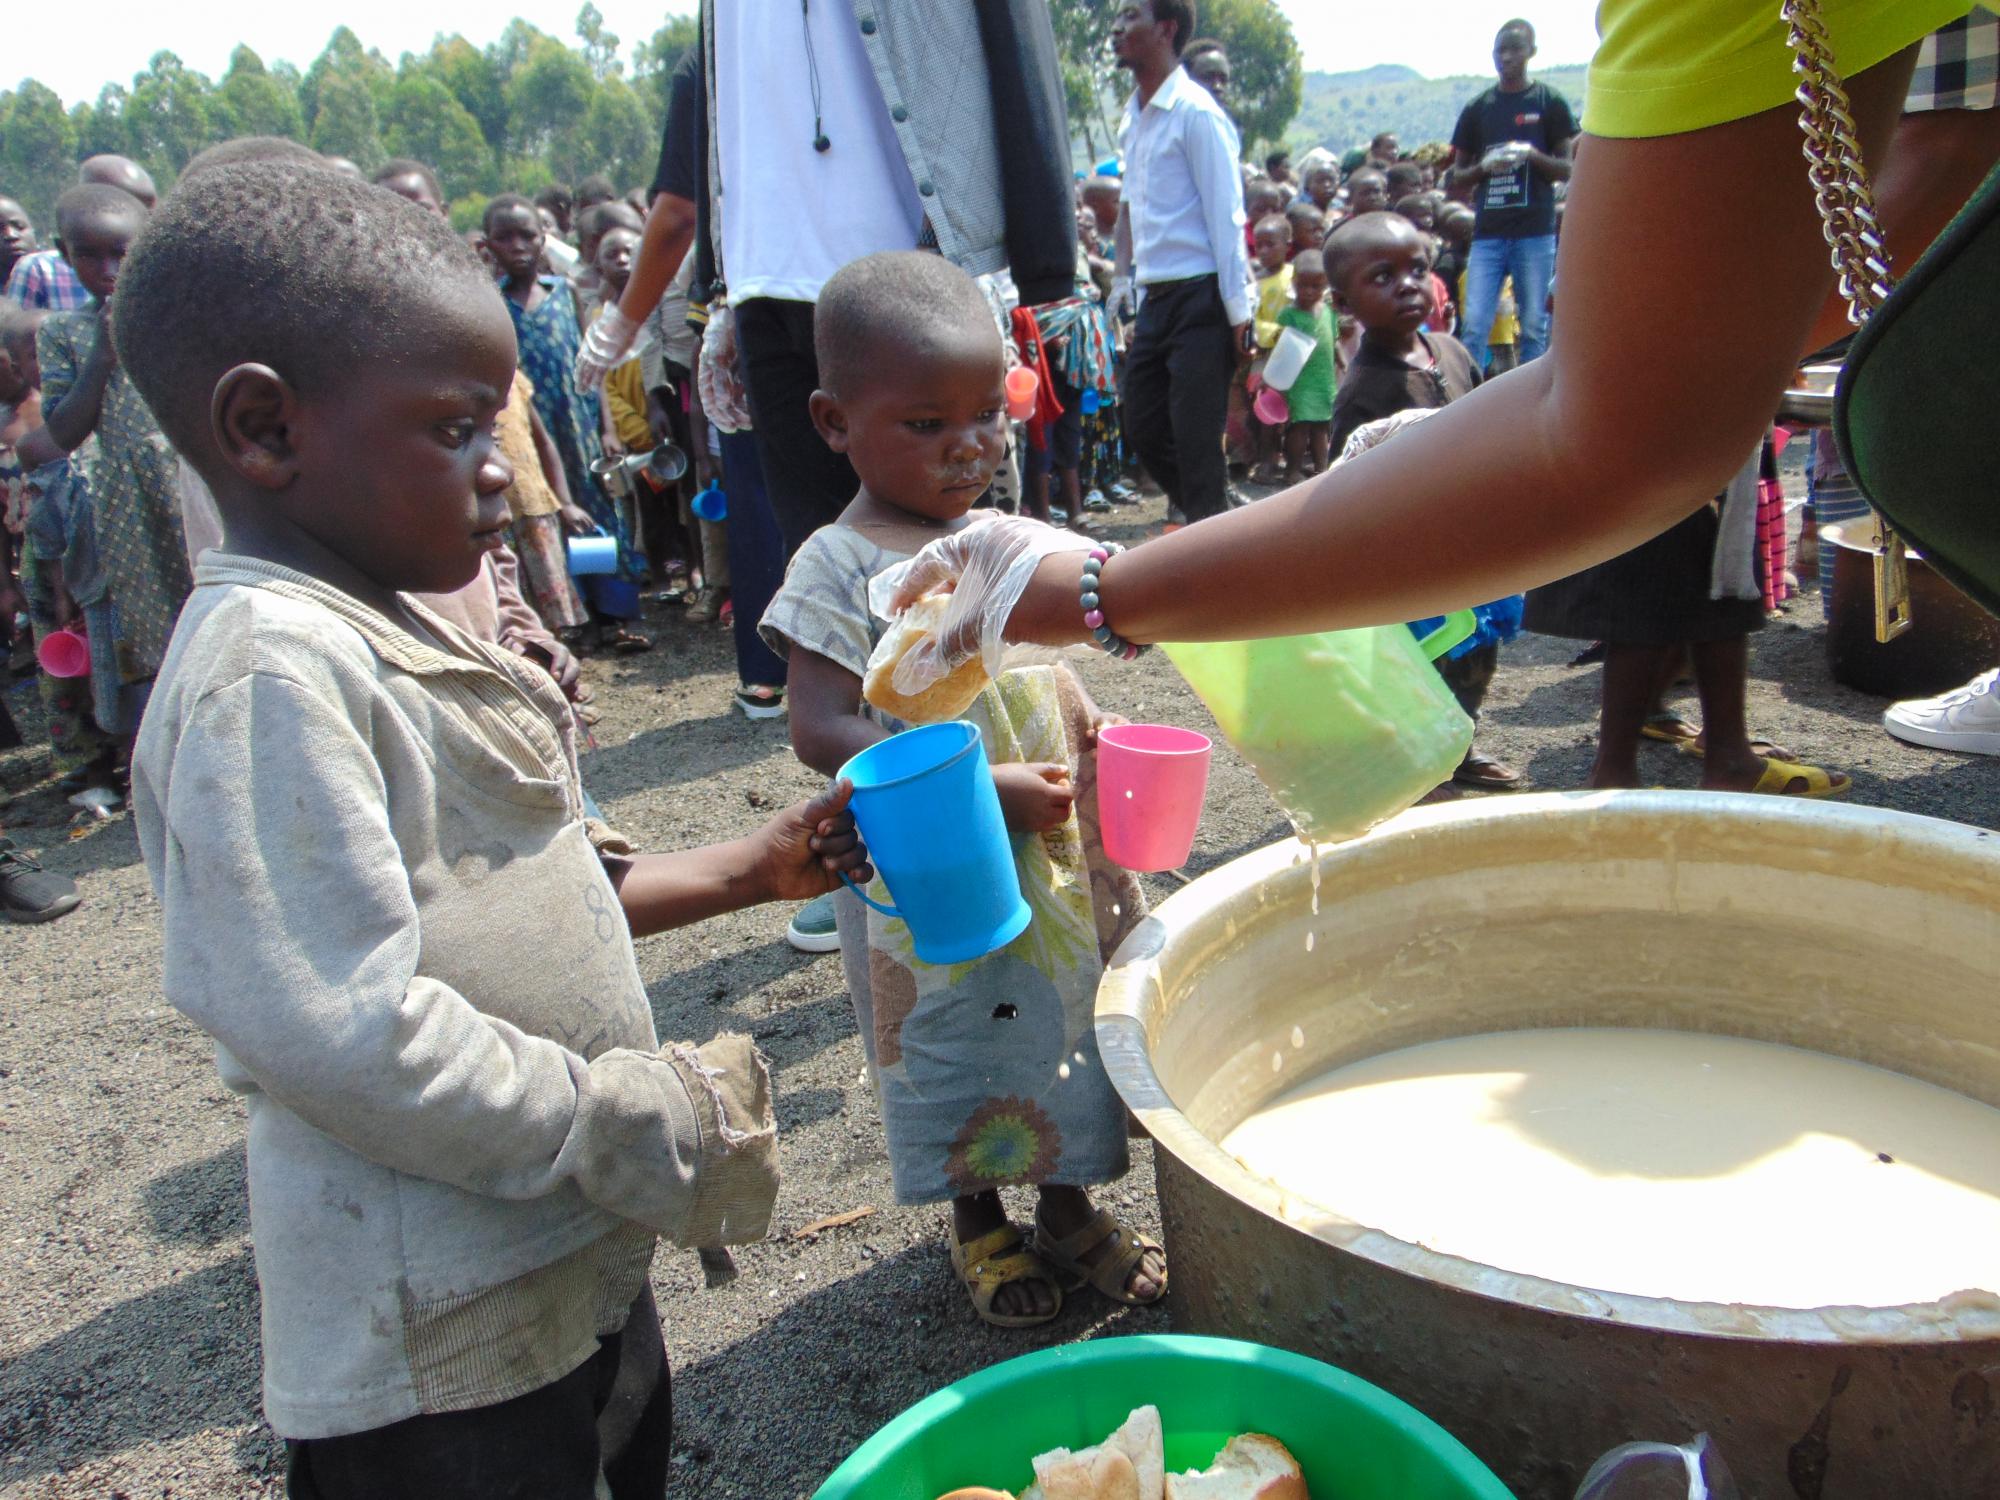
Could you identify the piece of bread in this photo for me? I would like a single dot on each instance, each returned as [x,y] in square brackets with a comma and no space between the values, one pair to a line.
[977,1492]
[1251,1467]
[944,699]
[1131,1464]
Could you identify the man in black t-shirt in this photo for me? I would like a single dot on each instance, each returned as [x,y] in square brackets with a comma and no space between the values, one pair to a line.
[1512,147]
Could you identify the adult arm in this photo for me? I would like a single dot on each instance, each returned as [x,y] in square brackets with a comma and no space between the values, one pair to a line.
[1212,150]
[1557,163]
[669,233]
[1569,460]
[1468,152]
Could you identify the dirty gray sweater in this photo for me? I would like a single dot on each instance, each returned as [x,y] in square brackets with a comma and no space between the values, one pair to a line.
[380,900]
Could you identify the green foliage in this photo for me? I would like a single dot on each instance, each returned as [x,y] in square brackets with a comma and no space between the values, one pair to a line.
[527,111]
[1263,57]
[1346,109]
[37,145]
[1267,76]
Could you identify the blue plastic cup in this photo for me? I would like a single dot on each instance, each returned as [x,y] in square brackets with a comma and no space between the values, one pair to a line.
[590,555]
[928,811]
[1089,402]
[710,503]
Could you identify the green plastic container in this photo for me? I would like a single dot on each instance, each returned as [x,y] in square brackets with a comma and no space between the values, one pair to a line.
[1354,1441]
[1346,727]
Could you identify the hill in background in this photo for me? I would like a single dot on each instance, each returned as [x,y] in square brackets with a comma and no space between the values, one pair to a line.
[1346,109]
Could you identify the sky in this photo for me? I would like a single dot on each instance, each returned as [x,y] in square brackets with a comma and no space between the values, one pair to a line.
[1454,36]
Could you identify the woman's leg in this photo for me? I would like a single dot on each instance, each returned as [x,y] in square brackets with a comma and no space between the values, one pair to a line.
[1631,675]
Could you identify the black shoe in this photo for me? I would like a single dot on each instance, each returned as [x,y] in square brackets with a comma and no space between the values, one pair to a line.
[28,893]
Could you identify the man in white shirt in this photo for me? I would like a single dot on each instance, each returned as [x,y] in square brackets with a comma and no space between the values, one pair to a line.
[1182,254]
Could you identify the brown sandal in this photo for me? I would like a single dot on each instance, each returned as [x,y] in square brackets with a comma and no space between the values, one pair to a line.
[996,1259]
[1113,1270]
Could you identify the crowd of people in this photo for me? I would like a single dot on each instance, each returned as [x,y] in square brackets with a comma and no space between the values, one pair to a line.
[312,479]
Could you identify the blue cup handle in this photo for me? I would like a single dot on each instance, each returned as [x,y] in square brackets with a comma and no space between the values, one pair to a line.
[887,911]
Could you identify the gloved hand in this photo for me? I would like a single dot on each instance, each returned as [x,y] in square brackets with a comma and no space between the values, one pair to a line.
[986,567]
[1123,299]
[605,344]
[724,400]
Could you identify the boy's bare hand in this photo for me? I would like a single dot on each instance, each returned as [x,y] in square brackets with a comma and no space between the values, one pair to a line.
[1100,721]
[1034,797]
[805,850]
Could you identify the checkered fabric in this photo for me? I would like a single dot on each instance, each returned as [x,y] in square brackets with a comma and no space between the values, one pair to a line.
[1958,66]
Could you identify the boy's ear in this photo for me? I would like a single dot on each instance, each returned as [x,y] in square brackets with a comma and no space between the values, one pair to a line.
[253,414]
[829,420]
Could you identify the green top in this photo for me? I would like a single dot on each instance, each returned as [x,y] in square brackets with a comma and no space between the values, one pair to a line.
[1311,395]
[1664,67]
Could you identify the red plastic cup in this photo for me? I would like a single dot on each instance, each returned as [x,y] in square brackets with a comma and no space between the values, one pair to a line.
[1022,386]
[64,653]
[1150,782]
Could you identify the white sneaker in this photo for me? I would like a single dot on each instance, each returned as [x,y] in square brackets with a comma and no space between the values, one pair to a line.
[1966,718]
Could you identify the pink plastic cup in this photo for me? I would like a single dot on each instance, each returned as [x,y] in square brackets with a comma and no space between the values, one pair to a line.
[1150,782]
[64,653]
[1273,410]
[1022,386]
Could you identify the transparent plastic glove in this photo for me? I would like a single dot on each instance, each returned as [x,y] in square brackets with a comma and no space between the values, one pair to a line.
[1634,1468]
[1374,434]
[1122,299]
[605,344]
[986,567]
[724,400]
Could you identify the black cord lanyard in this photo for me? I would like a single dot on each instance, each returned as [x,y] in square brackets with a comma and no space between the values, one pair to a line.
[820,142]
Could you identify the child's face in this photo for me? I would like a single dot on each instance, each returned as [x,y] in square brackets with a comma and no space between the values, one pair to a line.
[1420,213]
[929,426]
[412,186]
[396,470]
[1367,192]
[1103,206]
[14,382]
[1308,288]
[17,235]
[1273,242]
[1308,228]
[616,248]
[95,249]
[1320,187]
[1386,281]
[514,236]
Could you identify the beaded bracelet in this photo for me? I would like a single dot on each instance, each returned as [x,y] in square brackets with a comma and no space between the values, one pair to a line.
[1093,607]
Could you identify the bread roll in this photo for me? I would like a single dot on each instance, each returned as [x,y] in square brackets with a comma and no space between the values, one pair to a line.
[1251,1467]
[1131,1464]
[944,699]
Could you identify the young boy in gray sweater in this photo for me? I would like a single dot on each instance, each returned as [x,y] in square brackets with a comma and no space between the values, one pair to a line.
[381,895]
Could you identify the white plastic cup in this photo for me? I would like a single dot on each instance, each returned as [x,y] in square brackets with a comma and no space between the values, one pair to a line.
[1288,358]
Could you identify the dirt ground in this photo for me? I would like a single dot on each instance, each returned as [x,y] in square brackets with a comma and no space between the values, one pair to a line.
[128,1309]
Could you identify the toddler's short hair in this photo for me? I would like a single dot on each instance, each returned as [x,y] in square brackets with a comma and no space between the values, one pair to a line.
[408,166]
[894,300]
[1306,262]
[273,262]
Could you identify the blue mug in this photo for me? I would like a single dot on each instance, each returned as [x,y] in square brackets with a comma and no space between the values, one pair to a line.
[928,810]
[590,555]
[710,503]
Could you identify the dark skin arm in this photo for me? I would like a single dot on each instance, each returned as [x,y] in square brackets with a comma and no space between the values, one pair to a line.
[74,418]
[669,232]
[574,520]
[799,854]
[38,448]
[1506,489]
[824,705]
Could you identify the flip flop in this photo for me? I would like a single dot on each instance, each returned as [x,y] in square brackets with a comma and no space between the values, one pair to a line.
[996,1259]
[1669,727]
[1780,774]
[1486,774]
[1113,1269]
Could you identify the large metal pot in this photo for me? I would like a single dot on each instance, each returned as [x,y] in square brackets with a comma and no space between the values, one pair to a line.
[1861,933]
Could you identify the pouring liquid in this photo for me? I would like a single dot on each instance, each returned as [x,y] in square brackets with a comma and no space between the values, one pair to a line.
[1667,1164]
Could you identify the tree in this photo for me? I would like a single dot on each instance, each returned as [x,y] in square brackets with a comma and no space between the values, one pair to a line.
[474,81]
[654,60]
[251,100]
[100,128]
[1090,73]
[427,122]
[600,47]
[547,98]
[37,151]
[619,138]
[343,57]
[1267,77]
[167,119]
[345,123]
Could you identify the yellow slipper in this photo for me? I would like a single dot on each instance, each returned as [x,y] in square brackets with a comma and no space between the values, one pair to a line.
[1779,776]
[995,1259]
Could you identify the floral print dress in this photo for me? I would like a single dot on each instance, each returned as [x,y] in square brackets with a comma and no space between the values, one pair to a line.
[549,339]
[134,482]
[988,1071]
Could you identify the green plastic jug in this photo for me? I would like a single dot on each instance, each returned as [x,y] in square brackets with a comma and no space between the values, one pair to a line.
[1346,727]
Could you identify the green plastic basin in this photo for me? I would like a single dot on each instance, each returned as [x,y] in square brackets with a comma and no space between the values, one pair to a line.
[1354,1441]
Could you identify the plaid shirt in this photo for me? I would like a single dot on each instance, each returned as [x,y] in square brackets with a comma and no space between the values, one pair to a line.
[44,281]
[1958,66]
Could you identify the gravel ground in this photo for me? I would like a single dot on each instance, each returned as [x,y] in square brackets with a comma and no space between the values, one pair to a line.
[128,1314]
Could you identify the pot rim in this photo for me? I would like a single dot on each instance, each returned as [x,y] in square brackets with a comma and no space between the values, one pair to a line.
[1132,987]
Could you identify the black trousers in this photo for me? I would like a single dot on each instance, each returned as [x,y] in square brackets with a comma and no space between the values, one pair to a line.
[808,483]
[1176,392]
[614,1412]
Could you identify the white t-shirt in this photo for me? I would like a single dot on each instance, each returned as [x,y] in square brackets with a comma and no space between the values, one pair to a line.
[792,216]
